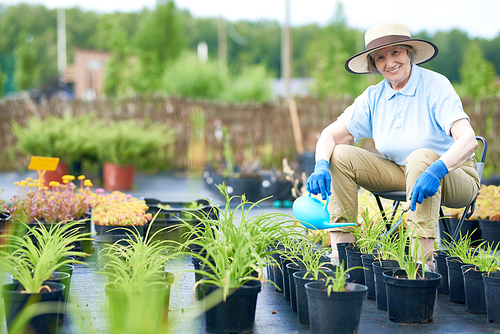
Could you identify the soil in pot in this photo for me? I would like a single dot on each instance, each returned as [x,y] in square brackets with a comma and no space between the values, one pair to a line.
[475,301]
[380,288]
[492,291]
[237,313]
[300,279]
[442,268]
[410,300]
[354,260]
[45,323]
[455,279]
[338,313]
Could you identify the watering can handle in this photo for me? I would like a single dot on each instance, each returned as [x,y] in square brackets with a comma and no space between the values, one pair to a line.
[327,201]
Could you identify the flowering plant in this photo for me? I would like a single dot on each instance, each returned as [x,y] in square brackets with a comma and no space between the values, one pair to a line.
[118,209]
[56,203]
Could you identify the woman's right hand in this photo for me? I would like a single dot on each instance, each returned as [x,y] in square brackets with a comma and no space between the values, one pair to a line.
[320,181]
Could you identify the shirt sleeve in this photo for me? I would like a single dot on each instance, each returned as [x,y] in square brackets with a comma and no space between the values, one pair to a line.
[448,106]
[357,118]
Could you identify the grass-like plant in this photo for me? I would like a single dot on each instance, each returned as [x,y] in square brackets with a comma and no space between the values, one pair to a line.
[309,255]
[337,282]
[405,248]
[139,263]
[368,232]
[32,263]
[461,248]
[236,242]
[486,257]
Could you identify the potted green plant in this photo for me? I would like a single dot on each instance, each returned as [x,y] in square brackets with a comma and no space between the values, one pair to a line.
[313,264]
[485,259]
[236,246]
[139,285]
[491,280]
[366,234]
[124,144]
[34,270]
[459,252]
[335,304]
[411,291]
[67,138]
[116,216]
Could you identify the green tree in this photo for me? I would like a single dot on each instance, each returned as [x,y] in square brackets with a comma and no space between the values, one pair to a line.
[3,81]
[335,44]
[26,66]
[477,74]
[117,80]
[159,42]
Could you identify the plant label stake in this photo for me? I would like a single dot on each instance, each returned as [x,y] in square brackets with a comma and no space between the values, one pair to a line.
[312,214]
[42,165]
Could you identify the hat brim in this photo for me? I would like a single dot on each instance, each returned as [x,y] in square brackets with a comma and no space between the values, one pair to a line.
[425,51]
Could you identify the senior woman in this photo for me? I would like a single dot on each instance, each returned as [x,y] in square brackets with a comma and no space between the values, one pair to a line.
[417,123]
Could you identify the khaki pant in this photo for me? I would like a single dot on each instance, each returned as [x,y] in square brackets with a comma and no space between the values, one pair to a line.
[351,166]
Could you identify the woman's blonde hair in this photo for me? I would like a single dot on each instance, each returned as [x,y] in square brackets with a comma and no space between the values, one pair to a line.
[371,62]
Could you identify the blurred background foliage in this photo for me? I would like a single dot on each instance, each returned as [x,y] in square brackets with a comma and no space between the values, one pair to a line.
[154,51]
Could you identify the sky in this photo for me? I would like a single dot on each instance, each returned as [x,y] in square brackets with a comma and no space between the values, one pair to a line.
[479,18]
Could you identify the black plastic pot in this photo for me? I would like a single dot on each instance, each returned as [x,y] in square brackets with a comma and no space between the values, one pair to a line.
[354,260]
[338,313]
[342,254]
[475,301]
[118,233]
[380,288]
[286,278]
[492,291]
[410,300]
[293,268]
[45,323]
[367,260]
[490,231]
[455,279]
[237,313]
[274,272]
[442,268]
[5,217]
[300,290]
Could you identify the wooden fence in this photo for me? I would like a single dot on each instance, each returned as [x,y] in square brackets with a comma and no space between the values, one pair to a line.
[253,126]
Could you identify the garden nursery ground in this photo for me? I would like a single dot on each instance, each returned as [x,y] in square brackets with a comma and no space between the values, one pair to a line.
[273,314]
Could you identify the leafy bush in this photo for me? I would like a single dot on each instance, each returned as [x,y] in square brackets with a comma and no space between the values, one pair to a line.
[190,78]
[68,137]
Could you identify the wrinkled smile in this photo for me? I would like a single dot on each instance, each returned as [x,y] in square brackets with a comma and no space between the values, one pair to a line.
[394,70]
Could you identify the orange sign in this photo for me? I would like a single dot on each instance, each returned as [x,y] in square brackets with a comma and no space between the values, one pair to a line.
[43,163]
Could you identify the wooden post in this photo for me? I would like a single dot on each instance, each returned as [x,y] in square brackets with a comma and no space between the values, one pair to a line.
[297,133]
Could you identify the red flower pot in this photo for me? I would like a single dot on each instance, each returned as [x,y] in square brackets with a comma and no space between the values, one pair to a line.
[56,175]
[118,177]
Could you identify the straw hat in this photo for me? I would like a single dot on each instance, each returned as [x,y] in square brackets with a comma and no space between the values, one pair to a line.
[387,34]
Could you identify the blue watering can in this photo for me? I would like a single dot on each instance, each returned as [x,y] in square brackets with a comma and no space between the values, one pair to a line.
[312,214]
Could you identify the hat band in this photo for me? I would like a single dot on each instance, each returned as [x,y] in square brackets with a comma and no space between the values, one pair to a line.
[391,39]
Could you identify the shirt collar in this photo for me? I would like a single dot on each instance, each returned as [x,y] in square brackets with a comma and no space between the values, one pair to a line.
[410,87]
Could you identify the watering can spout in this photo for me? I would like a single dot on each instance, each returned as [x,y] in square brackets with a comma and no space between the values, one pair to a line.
[313,214]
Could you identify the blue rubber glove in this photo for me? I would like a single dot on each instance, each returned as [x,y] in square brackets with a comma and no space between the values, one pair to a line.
[320,181]
[428,183]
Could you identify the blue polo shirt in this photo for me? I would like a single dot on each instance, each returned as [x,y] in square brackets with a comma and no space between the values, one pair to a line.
[419,115]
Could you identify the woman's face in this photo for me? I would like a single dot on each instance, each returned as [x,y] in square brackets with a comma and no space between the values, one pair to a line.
[394,64]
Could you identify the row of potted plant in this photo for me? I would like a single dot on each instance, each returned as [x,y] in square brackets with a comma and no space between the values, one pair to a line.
[115,145]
